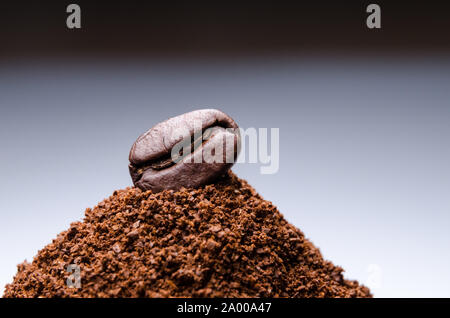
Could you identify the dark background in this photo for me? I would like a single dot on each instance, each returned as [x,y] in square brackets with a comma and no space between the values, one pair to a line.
[36,28]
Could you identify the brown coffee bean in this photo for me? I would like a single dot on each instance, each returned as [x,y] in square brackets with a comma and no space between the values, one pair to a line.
[188,151]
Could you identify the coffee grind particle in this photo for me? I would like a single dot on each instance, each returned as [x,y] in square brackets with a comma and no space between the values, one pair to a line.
[220,240]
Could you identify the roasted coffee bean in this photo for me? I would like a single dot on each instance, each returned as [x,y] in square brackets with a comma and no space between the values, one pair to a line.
[188,151]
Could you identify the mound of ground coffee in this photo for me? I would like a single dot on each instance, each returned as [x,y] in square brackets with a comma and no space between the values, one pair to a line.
[220,240]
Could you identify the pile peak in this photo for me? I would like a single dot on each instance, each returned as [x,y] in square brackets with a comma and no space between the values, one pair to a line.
[219,240]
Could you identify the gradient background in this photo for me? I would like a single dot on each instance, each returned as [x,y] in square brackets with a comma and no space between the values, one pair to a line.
[363,115]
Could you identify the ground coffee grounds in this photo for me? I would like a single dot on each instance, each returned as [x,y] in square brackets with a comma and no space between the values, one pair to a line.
[220,240]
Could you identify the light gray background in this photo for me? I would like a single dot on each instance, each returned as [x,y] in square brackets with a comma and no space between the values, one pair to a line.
[364,152]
